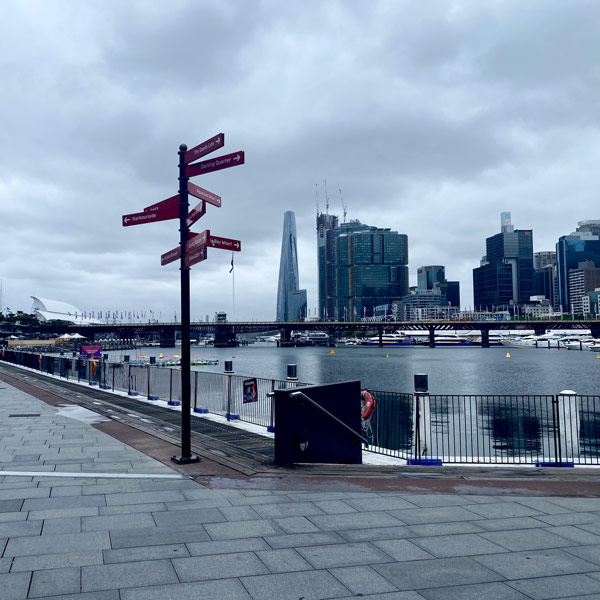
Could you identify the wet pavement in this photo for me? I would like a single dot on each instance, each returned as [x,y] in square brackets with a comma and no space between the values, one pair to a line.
[92,508]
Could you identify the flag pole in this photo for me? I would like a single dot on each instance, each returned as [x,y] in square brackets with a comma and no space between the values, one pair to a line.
[232,271]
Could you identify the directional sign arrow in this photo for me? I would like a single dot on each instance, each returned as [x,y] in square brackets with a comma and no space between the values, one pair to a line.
[203,194]
[172,255]
[198,211]
[150,216]
[224,243]
[171,203]
[195,256]
[214,143]
[199,239]
[215,164]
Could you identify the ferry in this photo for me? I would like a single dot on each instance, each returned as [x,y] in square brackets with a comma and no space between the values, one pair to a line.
[388,339]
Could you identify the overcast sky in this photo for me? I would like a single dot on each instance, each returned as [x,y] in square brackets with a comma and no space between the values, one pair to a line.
[432,118]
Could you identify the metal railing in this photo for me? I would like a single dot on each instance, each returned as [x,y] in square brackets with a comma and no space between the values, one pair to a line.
[553,430]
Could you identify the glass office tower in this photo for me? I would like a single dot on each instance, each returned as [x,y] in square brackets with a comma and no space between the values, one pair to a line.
[291,301]
[506,272]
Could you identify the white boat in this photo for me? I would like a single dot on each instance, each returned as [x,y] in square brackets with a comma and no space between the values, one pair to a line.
[388,339]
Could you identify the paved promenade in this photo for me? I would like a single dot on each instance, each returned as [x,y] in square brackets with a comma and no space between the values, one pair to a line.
[85,516]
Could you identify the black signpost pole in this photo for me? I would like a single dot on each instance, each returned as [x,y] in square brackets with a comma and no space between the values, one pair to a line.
[186,391]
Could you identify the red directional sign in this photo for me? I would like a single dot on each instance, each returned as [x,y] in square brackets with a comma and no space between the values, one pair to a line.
[198,240]
[203,194]
[172,255]
[149,217]
[224,243]
[171,203]
[195,256]
[214,143]
[198,211]
[215,164]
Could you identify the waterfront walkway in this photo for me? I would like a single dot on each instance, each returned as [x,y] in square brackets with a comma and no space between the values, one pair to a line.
[84,515]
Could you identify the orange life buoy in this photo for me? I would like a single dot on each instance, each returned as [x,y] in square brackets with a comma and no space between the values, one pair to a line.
[368,404]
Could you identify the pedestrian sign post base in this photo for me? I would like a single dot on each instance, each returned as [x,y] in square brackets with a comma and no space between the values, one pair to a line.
[185,460]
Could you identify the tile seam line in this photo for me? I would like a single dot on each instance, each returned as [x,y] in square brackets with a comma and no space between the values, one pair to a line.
[92,475]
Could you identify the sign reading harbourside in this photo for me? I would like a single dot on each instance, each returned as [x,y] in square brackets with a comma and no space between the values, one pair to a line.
[192,249]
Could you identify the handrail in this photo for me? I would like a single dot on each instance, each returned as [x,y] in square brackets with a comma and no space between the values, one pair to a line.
[333,417]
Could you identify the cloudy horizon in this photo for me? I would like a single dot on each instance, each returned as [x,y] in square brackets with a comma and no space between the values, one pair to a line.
[432,119]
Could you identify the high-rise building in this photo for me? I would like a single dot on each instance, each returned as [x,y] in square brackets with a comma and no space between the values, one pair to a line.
[360,267]
[585,278]
[433,277]
[543,259]
[291,301]
[544,275]
[572,249]
[505,275]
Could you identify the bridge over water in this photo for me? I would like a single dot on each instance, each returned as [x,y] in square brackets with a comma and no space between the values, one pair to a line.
[226,332]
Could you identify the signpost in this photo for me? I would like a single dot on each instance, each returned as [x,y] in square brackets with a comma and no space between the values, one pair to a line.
[192,249]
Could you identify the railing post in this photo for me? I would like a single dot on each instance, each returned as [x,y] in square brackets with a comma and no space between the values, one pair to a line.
[422,421]
[568,425]
[271,397]
[229,372]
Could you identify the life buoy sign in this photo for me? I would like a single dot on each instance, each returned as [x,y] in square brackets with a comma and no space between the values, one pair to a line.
[367,402]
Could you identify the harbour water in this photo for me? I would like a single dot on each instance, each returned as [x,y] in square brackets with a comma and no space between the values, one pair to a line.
[454,370]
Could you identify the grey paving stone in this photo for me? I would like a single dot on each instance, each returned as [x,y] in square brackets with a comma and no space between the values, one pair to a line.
[5,564]
[14,586]
[185,519]
[47,544]
[18,495]
[239,513]
[283,561]
[52,582]
[254,500]
[343,555]
[112,487]
[366,520]
[403,550]
[290,509]
[127,575]
[434,500]
[376,533]
[223,589]
[241,529]
[544,505]
[510,523]
[590,553]
[155,536]
[57,513]
[56,561]
[64,525]
[440,514]
[309,585]
[388,596]
[578,504]
[106,523]
[570,518]
[316,496]
[227,547]
[220,566]
[468,544]
[62,503]
[527,539]
[577,535]
[535,563]
[126,509]
[201,493]
[334,507]
[430,529]
[381,503]
[20,528]
[65,490]
[296,525]
[591,527]
[171,484]
[414,575]
[144,497]
[503,510]
[564,586]
[145,553]
[216,502]
[303,539]
[478,591]
[363,580]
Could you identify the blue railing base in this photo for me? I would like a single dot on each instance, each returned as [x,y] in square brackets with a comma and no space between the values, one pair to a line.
[105,387]
[232,417]
[132,393]
[200,410]
[425,462]
[92,383]
[173,403]
[270,428]
[566,465]
[153,398]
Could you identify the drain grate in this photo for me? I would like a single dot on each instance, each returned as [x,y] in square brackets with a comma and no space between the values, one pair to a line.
[25,415]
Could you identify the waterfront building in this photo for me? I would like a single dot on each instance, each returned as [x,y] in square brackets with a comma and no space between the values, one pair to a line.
[590,302]
[544,259]
[291,301]
[360,267]
[505,275]
[414,307]
[433,277]
[55,310]
[585,278]
[580,246]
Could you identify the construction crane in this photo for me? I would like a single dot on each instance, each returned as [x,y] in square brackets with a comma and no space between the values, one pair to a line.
[343,205]
[317,197]
[326,198]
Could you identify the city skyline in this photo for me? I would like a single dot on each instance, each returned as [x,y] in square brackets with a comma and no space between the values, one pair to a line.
[431,121]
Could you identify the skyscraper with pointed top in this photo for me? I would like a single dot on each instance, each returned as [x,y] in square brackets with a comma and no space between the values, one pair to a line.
[291,301]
